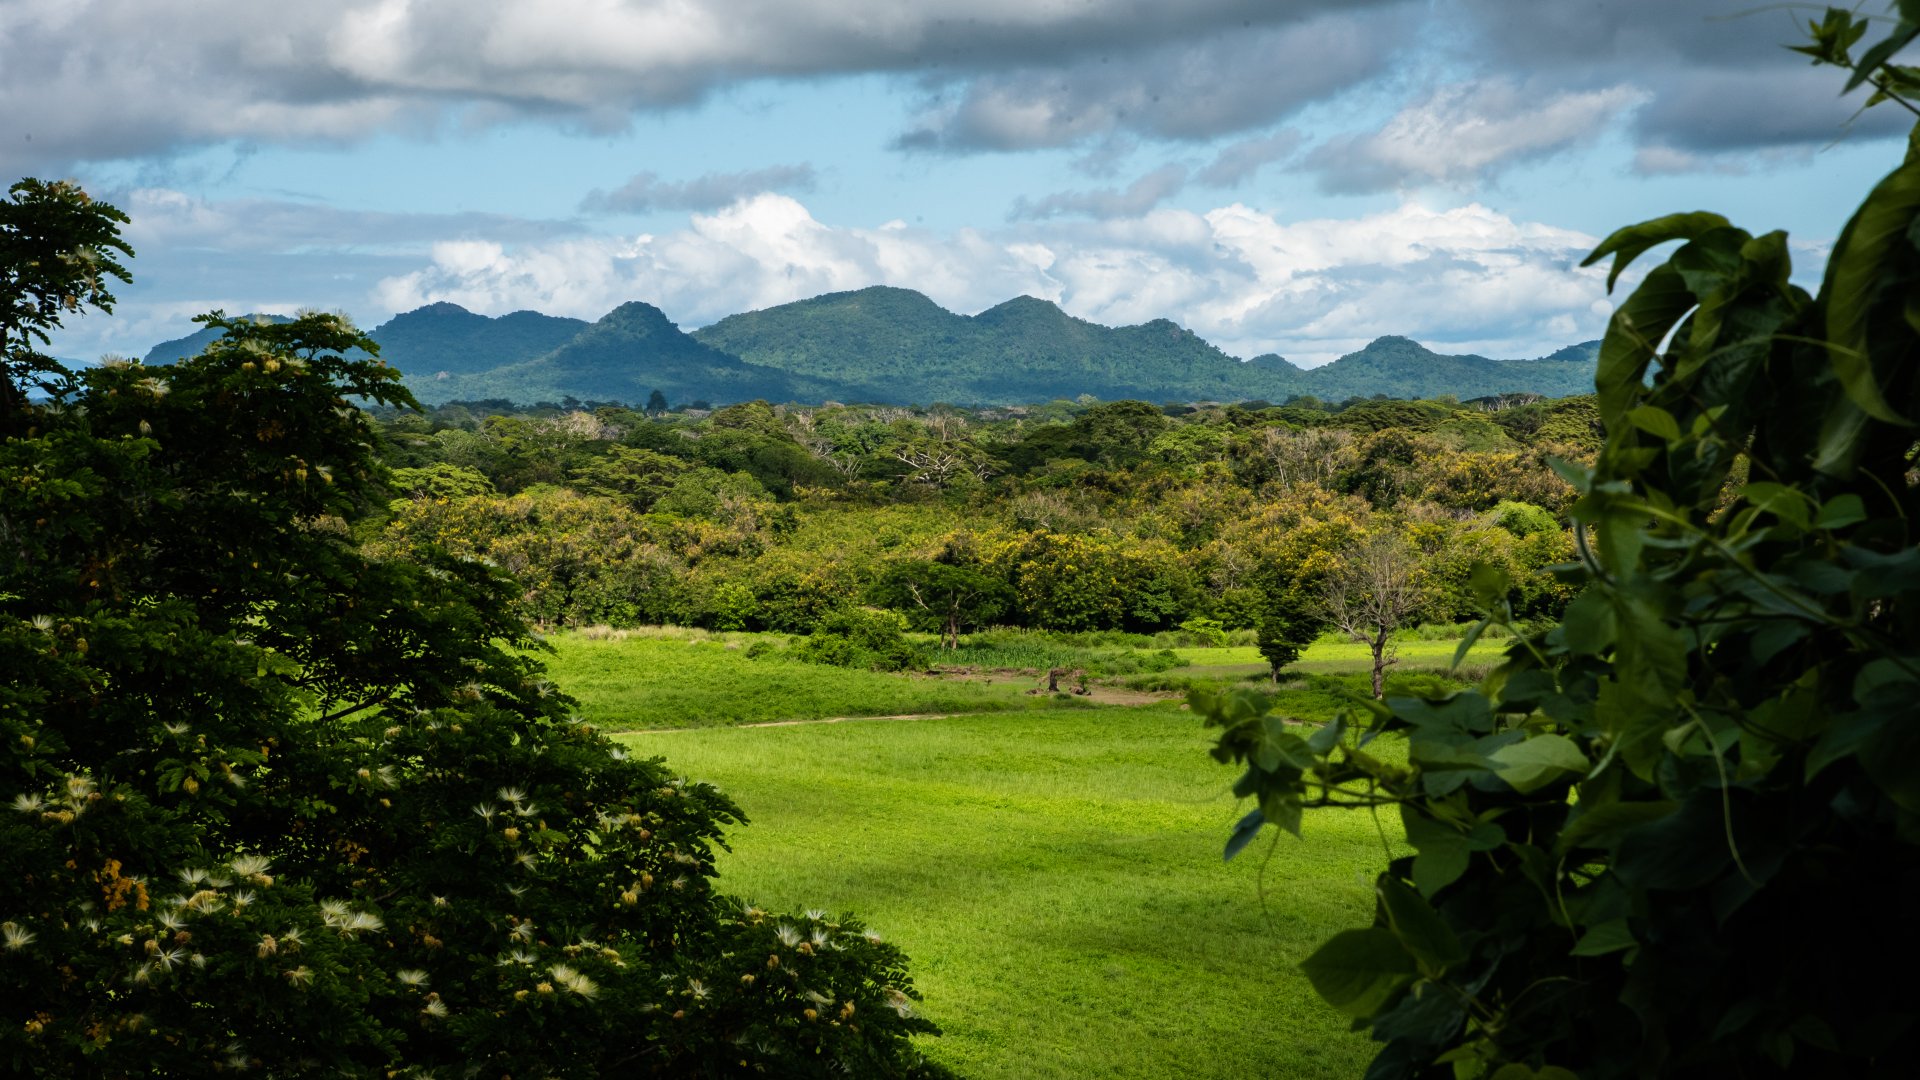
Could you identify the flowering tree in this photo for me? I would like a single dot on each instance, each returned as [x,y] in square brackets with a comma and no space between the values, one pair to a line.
[275,804]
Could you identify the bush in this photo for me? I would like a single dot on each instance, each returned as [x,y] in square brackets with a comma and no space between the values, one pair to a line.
[862,638]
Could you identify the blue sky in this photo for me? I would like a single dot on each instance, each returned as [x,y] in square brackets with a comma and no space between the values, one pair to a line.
[1278,175]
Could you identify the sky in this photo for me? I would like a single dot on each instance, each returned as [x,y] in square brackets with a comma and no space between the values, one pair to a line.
[1290,176]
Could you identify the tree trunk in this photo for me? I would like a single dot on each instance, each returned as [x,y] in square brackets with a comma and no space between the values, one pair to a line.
[951,638]
[1379,646]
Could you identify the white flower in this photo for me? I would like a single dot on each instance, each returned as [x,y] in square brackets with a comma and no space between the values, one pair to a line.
[42,623]
[788,935]
[573,981]
[434,1008]
[486,812]
[512,794]
[697,988]
[28,804]
[248,865]
[14,936]
[410,977]
[177,727]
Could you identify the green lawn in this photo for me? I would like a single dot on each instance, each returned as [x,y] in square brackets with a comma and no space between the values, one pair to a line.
[683,679]
[1055,877]
[651,682]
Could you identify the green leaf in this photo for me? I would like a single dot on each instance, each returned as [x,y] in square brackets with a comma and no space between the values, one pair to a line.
[1628,244]
[1588,628]
[1609,936]
[1282,808]
[1322,742]
[1420,929]
[1787,504]
[1601,826]
[1243,834]
[1539,761]
[1883,51]
[1655,421]
[1633,334]
[1861,258]
[1841,511]
[1358,971]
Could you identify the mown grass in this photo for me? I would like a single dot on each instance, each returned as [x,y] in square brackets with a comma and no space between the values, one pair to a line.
[1055,877]
[649,681]
[670,678]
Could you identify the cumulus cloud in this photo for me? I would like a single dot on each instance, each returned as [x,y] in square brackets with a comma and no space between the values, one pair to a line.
[99,79]
[1136,199]
[646,191]
[1466,132]
[1311,290]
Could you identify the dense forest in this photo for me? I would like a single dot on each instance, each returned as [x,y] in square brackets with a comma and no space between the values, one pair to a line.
[1065,516]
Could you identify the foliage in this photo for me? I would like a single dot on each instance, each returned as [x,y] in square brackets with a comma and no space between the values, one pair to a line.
[867,638]
[282,805]
[58,248]
[1644,846]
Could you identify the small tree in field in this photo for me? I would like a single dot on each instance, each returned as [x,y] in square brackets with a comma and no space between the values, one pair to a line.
[271,805]
[1376,590]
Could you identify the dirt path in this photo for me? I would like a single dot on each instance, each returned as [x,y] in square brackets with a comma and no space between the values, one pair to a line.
[1099,696]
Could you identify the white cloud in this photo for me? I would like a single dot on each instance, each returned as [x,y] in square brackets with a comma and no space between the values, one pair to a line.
[1463,133]
[1311,290]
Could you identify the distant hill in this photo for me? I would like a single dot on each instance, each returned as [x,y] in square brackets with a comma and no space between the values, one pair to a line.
[897,345]
[889,345]
[1403,368]
[181,348]
[447,337]
[631,352]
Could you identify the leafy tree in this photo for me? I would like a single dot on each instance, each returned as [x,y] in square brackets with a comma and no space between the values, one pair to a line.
[945,595]
[278,805]
[656,403]
[1663,839]
[58,248]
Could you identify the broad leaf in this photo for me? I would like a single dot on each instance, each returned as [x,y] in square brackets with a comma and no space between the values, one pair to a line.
[1358,971]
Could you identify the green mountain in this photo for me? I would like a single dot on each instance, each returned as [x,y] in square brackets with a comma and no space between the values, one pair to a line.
[180,348]
[448,338]
[896,345]
[631,352]
[1402,368]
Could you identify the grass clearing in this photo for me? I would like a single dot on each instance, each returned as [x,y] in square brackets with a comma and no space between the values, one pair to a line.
[649,681]
[658,678]
[1055,876]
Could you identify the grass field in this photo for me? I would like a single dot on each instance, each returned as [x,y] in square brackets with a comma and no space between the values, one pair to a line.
[688,678]
[644,682]
[1055,876]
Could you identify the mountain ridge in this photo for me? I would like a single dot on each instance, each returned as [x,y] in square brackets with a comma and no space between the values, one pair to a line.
[889,345]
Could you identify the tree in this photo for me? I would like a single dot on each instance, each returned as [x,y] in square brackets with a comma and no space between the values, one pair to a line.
[1642,848]
[58,248]
[656,403]
[946,593]
[1376,590]
[279,805]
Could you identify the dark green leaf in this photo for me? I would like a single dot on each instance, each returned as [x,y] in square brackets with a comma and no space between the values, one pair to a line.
[1358,971]
[1243,834]
[1420,929]
[1538,761]
[1628,244]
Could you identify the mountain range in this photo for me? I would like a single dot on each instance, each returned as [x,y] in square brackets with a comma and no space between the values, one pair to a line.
[896,346]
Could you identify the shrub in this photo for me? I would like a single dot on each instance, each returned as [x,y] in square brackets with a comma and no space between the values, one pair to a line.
[857,637]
